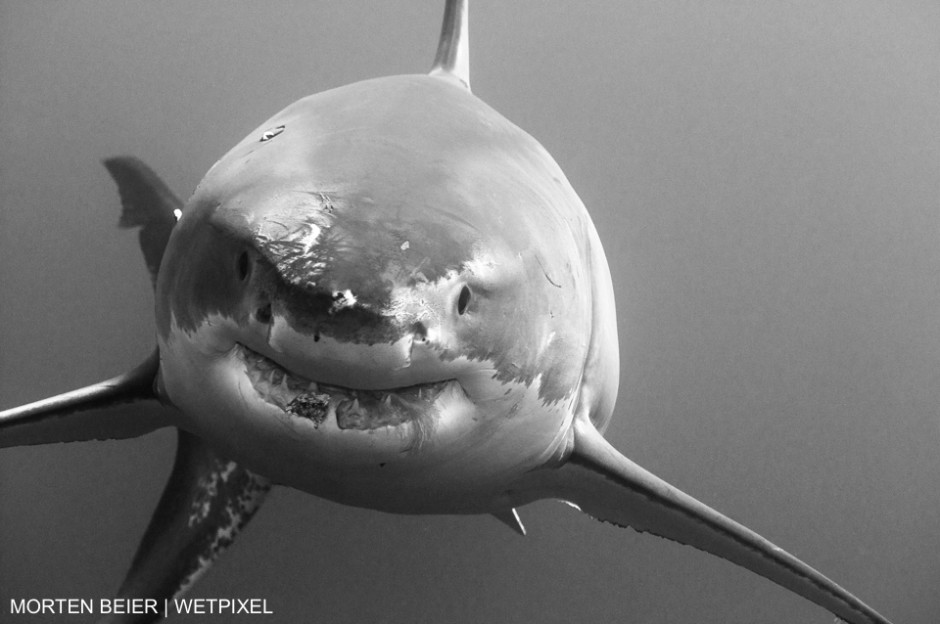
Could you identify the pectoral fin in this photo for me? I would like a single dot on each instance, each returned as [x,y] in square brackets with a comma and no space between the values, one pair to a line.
[206,502]
[84,414]
[609,487]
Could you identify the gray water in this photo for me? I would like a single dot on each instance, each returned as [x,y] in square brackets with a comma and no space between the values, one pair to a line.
[766,181]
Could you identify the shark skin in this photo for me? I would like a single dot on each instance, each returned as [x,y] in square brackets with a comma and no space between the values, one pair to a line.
[388,296]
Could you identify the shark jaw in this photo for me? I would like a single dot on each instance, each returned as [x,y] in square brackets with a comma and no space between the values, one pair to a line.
[348,408]
[441,435]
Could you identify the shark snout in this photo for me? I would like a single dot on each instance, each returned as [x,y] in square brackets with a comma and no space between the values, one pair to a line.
[339,324]
[348,344]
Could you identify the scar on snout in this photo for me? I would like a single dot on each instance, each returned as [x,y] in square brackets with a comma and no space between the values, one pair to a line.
[545,273]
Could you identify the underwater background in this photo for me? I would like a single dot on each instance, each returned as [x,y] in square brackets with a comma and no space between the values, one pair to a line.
[765,178]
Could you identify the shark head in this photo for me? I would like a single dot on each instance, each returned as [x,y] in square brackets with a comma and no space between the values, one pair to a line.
[388,288]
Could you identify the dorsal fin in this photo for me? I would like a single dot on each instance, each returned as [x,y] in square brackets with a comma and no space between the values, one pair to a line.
[453,49]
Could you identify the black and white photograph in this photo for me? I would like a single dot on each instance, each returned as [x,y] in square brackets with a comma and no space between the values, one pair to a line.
[461,312]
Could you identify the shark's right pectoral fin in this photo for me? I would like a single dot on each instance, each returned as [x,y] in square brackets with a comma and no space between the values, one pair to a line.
[606,485]
[206,502]
[89,413]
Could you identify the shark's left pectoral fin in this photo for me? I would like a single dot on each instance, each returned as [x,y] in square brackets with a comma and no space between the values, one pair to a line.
[206,502]
[606,485]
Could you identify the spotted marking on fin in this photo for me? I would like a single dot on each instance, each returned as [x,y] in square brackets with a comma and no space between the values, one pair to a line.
[230,495]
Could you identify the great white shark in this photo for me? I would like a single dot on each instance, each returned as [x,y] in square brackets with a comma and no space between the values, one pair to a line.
[389,296]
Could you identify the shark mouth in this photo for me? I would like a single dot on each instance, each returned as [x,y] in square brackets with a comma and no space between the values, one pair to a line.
[362,410]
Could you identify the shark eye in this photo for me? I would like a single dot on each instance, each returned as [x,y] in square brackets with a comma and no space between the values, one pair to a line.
[264,314]
[463,300]
[243,266]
